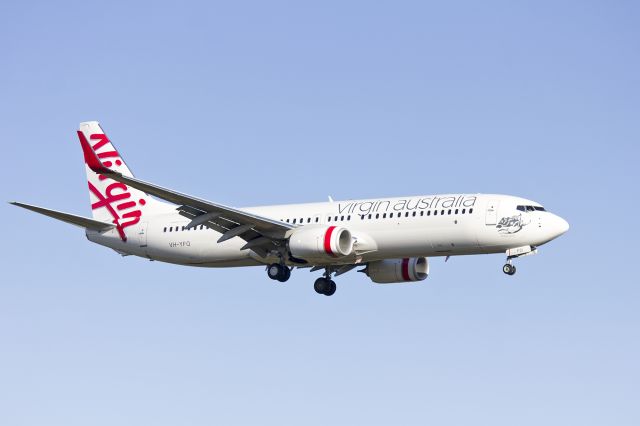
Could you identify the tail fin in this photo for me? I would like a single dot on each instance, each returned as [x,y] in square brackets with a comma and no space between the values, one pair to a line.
[112,201]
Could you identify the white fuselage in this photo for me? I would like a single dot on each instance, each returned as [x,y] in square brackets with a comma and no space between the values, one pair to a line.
[386,228]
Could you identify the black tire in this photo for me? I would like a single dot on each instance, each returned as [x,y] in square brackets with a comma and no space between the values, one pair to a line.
[513,270]
[285,274]
[319,285]
[508,268]
[331,290]
[273,271]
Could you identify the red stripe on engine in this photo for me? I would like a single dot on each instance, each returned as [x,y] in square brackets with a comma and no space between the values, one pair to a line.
[405,269]
[327,241]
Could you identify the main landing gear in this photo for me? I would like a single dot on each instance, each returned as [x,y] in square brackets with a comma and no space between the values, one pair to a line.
[325,285]
[279,272]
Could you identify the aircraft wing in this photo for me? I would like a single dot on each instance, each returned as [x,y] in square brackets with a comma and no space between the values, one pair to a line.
[231,222]
[80,221]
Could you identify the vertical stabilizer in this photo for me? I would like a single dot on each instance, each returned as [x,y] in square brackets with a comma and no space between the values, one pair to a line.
[112,201]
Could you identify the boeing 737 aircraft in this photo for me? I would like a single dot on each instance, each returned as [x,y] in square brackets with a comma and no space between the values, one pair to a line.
[392,239]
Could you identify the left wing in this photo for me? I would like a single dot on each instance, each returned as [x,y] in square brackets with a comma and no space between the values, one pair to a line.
[259,232]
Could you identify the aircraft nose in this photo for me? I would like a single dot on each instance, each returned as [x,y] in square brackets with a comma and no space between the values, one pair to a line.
[561,226]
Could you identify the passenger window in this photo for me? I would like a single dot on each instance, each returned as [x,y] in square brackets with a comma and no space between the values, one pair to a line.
[470,211]
[201,227]
[335,218]
[391,215]
[328,218]
[464,211]
[349,217]
[165,229]
[317,219]
[435,212]
[384,215]
[377,215]
[308,220]
[442,213]
[342,218]
[294,221]
[369,216]
[406,214]
[414,214]
[456,211]
[421,212]
[449,212]
[428,212]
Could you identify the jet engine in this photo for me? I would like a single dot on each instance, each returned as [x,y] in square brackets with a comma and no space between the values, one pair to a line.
[391,271]
[320,243]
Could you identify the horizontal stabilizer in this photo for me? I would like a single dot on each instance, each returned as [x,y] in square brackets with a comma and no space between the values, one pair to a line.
[80,221]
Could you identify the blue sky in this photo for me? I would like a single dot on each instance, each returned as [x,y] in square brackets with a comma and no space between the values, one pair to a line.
[270,102]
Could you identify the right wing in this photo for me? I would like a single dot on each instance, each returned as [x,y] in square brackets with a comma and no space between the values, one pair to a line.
[80,221]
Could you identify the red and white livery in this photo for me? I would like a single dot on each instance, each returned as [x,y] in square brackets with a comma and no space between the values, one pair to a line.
[390,239]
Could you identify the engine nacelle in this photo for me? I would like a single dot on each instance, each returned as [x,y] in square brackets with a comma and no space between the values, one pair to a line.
[320,242]
[398,270]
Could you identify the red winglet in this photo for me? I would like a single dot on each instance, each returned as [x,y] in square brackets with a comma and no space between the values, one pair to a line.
[90,156]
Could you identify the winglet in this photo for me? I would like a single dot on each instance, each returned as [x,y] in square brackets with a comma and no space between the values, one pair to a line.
[90,156]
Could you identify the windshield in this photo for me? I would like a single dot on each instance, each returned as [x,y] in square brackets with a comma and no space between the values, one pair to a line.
[531,208]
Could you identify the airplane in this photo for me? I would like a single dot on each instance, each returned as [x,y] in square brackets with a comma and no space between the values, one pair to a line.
[391,239]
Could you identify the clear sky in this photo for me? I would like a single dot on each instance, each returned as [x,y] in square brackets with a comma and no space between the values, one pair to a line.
[249,103]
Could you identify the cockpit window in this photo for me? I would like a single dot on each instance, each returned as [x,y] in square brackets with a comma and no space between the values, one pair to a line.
[531,208]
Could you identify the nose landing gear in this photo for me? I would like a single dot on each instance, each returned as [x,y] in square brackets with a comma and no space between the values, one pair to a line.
[509,269]
[514,253]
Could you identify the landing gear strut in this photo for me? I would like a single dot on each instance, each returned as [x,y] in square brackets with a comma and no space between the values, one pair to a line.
[325,285]
[514,253]
[279,272]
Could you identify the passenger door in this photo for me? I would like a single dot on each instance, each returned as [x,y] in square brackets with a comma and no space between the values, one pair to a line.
[491,216]
[142,236]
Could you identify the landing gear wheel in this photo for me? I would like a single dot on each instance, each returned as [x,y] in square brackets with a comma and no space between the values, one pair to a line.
[278,272]
[509,269]
[286,274]
[320,285]
[331,290]
[324,286]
